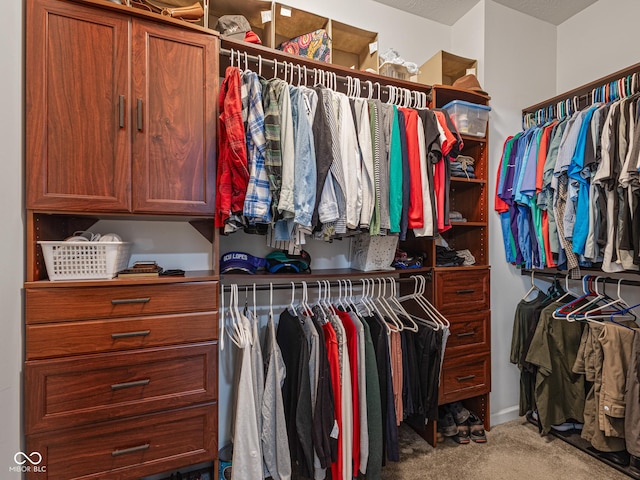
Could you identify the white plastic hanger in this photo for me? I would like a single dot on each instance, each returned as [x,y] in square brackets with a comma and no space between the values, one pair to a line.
[395,304]
[534,287]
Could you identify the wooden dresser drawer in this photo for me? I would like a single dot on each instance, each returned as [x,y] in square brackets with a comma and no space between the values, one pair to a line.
[130,448]
[94,336]
[461,291]
[465,377]
[470,333]
[59,304]
[79,390]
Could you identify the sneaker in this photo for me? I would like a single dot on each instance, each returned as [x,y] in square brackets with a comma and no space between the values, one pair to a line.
[446,424]
[460,414]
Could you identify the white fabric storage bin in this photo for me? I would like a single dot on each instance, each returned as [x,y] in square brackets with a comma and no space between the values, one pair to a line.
[373,253]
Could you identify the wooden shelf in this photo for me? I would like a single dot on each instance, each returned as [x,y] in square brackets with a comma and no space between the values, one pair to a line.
[189,276]
[468,224]
[350,47]
[472,139]
[320,274]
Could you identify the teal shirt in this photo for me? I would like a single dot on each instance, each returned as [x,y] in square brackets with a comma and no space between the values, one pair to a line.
[395,175]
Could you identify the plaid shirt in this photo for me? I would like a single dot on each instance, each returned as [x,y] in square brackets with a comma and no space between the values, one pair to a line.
[273,155]
[257,202]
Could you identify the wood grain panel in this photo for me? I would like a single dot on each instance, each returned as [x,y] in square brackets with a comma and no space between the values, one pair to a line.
[78,303]
[461,291]
[175,86]
[97,336]
[78,155]
[470,333]
[129,448]
[465,377]
[76,391]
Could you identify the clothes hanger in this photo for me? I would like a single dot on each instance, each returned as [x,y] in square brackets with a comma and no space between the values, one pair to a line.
[395,304]
[592,292]
[377,313]
[363,299]
[391,315]
[431,320]
[534,288]
[259,65]
[600,312]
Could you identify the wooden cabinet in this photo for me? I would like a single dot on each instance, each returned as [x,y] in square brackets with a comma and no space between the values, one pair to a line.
[101,358]
[120,113]
[129,448]
[121,376]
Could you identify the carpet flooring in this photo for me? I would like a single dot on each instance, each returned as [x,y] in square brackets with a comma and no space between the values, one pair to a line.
[514,451]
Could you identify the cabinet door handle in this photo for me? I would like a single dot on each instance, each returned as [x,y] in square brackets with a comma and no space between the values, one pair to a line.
[139,114]
[141,333]
[137,383]
[464,292]
[465,334]
[124,301]
[121,111]
[468,377]
[124,451]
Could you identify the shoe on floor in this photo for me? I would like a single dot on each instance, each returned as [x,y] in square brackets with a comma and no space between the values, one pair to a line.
[460,414]
[476,426]
[462,437]
[446,424]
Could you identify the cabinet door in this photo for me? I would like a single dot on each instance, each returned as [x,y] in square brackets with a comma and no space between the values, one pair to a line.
[77,89]
[174,82]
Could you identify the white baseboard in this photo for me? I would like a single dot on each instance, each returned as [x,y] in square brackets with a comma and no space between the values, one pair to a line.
[505,415]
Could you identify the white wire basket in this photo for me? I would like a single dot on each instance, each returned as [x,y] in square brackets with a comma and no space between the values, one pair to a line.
[85,260]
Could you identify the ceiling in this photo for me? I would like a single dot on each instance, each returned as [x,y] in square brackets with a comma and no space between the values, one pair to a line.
[450,11]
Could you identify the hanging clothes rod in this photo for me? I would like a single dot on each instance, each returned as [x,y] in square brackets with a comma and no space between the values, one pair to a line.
[356,282]
[627,79]
[547,274]
[302,68]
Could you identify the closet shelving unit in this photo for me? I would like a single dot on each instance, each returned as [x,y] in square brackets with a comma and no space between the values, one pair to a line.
[460,293]
[582,96]
[123,371]
[275,22]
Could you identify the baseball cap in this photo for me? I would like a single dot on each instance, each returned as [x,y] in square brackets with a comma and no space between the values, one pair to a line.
[280,261]
[241,262]
[237,27]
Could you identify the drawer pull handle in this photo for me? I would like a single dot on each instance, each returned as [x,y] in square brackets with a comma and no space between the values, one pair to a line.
[137,383]
[465,334]
[468,377]
[140,114]
[121,111]
[125,301]
[141,333]
[124,451]
[464,292]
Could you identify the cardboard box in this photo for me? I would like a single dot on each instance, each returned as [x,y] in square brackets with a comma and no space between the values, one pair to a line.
[444,68]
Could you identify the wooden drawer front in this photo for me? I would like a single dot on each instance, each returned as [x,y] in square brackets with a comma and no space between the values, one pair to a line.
[470,333]
[69,392]
[82,303]
[95,336]
[130,448]
[460,291]
[465,377]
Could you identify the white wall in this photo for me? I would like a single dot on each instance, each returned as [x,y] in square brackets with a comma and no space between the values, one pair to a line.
[600,40]
[416,39]
[468,37]
[12,271]
[514,45]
